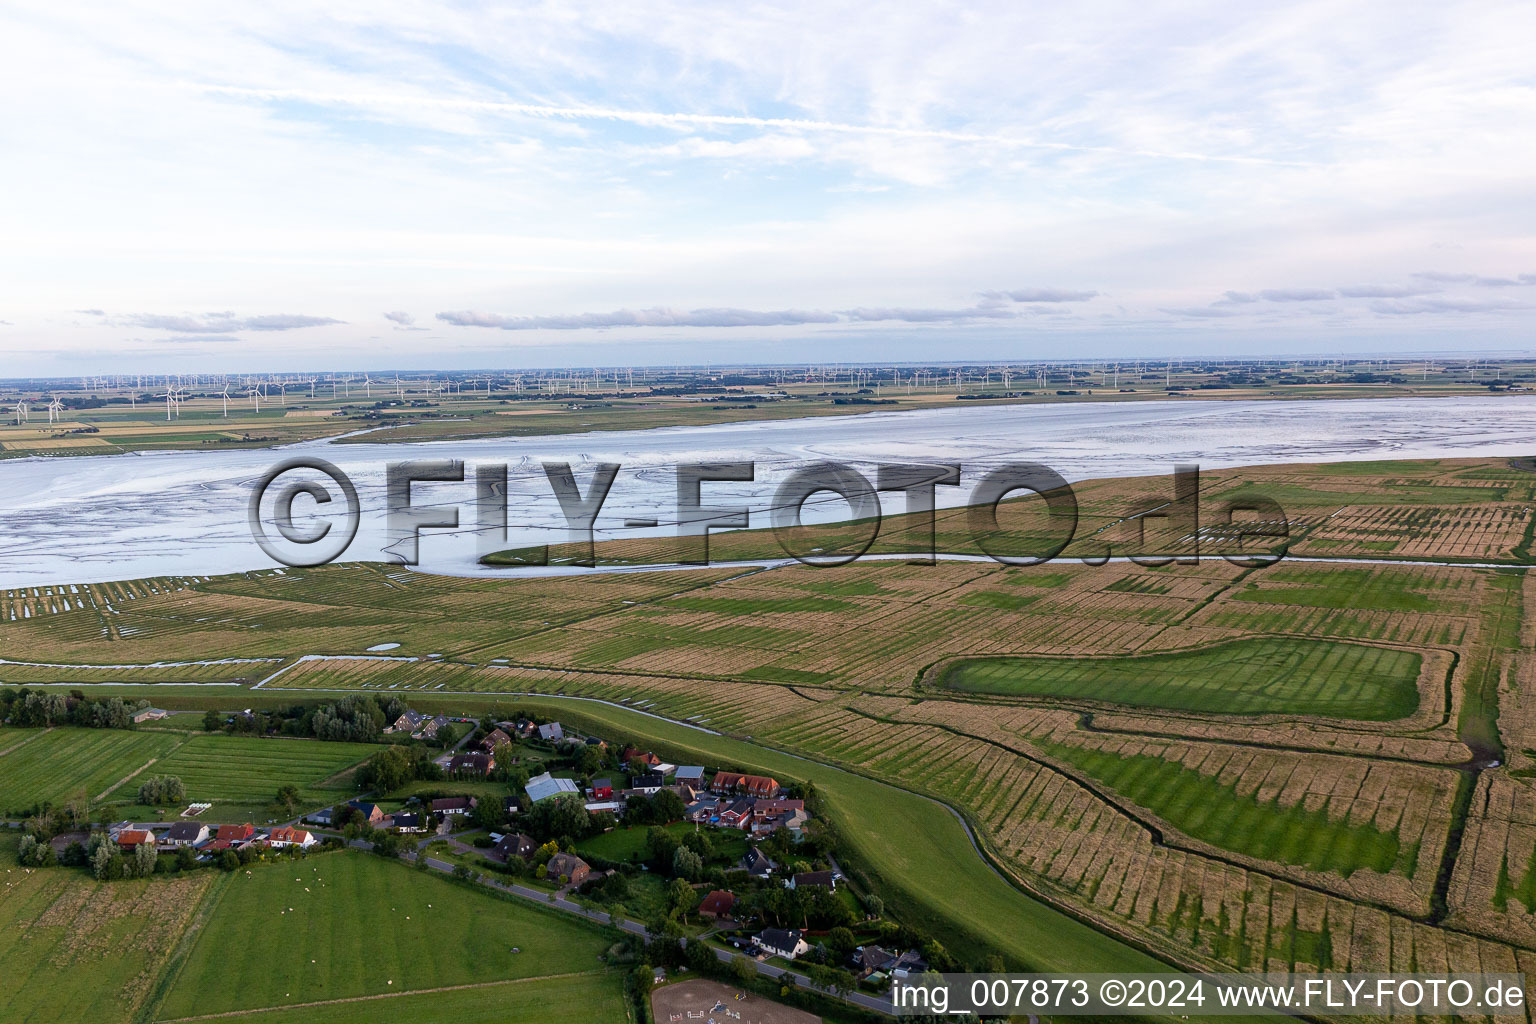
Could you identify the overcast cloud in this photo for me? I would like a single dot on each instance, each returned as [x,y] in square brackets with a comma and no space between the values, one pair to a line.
[738,182]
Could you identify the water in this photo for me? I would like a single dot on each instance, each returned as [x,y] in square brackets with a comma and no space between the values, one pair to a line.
[80,520]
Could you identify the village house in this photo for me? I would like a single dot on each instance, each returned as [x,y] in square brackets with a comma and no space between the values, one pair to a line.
[285,836]
[542,787]
[704,810]
[736,814]
[693,775]
[646,758]
[150,715]
[493,739]
[568,866]
[602,789]
[514,845]
[233,837]
[475,764]
[404,821]
[787,943]
[372,813]
[717,905]
[757,864]
[551,732]
[185,833]
[729,783]
[454,805]
[647,783]
[771,815]
[131,837]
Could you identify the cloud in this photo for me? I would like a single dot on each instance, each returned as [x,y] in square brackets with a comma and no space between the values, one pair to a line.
[188,339]
[1040,295]
[400,317]
[684,119]
[1296,294]
[929,316]
[1382,291]
[92,312]
[1401,308]
[1204,312]
[1235,298]
[225,323]
[1475,279]
[657,316]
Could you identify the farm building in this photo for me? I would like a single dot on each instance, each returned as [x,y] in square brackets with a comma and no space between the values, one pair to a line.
[542,787]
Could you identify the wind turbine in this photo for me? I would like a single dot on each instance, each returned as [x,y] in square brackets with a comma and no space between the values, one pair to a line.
[225,396]
[367,385]
[399,388]
[311,387]
[54,408]
[21,412]
[254,393]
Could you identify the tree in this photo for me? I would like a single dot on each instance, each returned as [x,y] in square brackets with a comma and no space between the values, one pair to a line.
[288,797]
[841,943]
[229,860]
[687,864]
[743,970]
[186,859]
[700,957]
[667,806]
[33,853]
[588,760]
[542,854]
[101,861]
[682,897]
[144,857]
[661,845]
[874,905]
[387,770]
[212,721]
[162,789]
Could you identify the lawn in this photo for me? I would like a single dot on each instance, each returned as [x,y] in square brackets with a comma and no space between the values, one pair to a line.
[727,845]
[1205,808]
[56,764]
[596,996]
[1261,675]
[350,924]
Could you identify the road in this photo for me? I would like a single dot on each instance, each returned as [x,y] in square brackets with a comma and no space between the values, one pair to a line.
[879,1004]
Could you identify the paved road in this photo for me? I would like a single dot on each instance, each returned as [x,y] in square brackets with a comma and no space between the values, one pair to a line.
[879,1004]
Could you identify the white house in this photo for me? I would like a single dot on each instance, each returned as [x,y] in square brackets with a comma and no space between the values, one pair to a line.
[781,942]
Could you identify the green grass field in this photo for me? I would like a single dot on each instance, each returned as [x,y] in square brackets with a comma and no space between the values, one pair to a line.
[362,926]
[249,770]
[1266,674]
[727,845]
[55,765]
[1207,809]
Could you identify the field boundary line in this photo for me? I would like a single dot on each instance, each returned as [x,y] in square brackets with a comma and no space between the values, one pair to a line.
[25,740]
[380,995]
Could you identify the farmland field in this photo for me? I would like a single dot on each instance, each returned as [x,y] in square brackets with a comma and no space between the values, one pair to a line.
[240,768]
[349,925]
[59,764]
[1264,675]
[79,950]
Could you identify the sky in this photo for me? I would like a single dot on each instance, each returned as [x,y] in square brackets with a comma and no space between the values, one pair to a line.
[277,186]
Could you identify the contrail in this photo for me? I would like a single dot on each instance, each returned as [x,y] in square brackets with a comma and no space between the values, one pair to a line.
[658,118]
